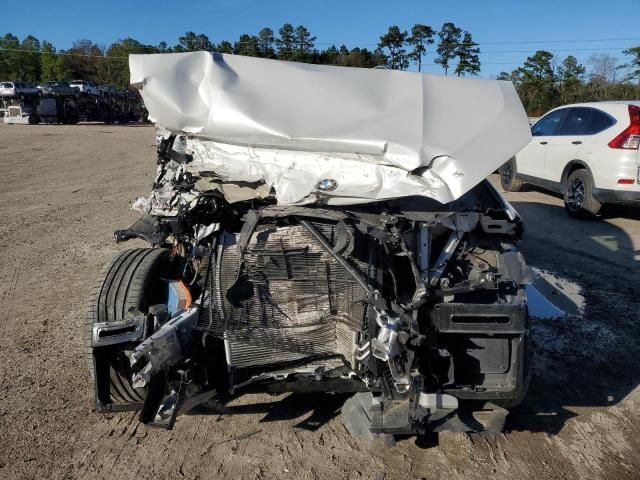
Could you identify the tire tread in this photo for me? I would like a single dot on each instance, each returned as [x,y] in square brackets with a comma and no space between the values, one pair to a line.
[127,281]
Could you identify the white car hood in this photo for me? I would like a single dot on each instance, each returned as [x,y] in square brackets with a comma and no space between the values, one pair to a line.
[370,134]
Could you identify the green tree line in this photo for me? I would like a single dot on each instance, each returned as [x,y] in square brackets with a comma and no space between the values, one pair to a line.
[542,81]
[33,60]
[545,82]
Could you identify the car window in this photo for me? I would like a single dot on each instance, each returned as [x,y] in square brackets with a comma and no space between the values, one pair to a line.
[6,85]
[548,124]
[585,121]
[599,121]
[577,122]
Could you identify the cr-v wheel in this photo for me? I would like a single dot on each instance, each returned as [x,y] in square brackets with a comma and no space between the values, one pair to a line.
[578,196]
[508,178]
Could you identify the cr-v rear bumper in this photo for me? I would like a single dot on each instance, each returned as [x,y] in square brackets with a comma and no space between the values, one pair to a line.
[617,196]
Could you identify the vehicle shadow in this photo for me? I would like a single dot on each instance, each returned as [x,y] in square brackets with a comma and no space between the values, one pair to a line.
[589,357]
[607,211]
[316,408]
[620,211]
[116,124]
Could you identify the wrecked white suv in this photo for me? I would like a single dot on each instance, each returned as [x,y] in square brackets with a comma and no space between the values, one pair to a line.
[319,229]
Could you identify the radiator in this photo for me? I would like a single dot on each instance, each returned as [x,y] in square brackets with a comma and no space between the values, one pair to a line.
[289,299]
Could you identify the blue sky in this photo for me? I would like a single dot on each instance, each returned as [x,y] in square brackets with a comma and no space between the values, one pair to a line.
[507,30]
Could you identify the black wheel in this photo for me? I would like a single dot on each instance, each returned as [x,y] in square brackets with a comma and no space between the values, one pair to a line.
[579,201]
[134,278]
[508,177]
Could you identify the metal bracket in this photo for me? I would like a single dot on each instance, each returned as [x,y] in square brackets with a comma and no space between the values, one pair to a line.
[164,348]
[424,250]
[491,225]
[443,258]
[111,333]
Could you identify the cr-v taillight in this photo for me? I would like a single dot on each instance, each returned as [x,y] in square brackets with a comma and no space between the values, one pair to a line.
[629,139]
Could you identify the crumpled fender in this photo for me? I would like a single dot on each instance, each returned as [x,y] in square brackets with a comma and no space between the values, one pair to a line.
[369,130]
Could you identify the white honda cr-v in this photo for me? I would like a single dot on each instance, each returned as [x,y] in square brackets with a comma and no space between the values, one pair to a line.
[588,152]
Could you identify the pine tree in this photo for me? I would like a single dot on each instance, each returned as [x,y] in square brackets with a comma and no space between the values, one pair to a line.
[266,40]
[394,41]
[224,47]
[247,45]
[449,40]
[536,80]
[190,42]
[468,54]
[29,67]
[304,44]
[421,36]
[48,61]
[634,53]
[570,75]
[286,42]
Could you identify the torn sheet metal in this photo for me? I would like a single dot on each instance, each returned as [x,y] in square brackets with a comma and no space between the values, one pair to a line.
[297,176]
[369,134]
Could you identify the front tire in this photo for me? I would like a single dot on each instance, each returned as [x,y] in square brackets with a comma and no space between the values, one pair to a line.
[508,177]
[579,201]
[133,279]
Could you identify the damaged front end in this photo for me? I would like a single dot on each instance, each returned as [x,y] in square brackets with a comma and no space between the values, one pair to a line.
[269,275]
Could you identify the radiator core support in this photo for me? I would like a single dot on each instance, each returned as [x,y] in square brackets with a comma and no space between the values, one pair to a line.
[283,299]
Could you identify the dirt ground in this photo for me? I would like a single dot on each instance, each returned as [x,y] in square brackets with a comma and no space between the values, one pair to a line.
[65,189]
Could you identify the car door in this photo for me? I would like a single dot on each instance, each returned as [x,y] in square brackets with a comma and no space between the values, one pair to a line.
[531,159]
[567,143]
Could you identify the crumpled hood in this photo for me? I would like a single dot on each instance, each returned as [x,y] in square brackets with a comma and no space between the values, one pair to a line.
[373,133]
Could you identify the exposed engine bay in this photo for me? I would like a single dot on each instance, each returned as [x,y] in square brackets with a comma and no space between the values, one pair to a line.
[415,307]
